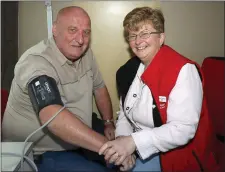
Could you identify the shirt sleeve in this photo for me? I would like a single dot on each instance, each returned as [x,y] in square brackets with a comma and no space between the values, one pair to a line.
[183,113]
[31,67]
[98,81]
[123,127]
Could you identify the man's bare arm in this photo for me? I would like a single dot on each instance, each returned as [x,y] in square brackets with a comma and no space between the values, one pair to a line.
[69,128]
[103,103]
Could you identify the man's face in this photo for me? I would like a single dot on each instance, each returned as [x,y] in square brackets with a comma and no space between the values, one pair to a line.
[146,48]
[72,34]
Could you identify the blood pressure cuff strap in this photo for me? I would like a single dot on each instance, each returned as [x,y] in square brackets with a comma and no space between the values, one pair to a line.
[43,91]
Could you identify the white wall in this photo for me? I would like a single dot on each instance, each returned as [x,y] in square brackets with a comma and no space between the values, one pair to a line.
[195,29]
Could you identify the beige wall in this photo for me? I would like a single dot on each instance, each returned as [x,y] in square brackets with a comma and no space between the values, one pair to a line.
[195,29]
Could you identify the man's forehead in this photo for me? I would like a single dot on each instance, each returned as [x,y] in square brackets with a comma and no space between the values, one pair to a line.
[75,21]
[73,13]
[72,10]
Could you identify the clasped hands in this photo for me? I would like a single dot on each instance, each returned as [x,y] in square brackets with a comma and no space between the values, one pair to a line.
[120,152]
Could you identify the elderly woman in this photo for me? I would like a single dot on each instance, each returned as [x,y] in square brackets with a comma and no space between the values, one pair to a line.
[163,115]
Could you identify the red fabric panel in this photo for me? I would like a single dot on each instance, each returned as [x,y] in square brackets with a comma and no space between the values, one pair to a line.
[214,72]
[4,99]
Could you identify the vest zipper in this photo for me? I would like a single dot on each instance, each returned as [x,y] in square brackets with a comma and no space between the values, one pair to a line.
[215,157]
[198,161]
[160,161]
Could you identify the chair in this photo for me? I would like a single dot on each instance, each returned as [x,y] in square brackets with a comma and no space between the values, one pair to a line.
[4,99]
[214,73]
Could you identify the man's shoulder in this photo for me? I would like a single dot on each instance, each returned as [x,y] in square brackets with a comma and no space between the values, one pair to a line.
[35,54]
[33,60]
[38,48]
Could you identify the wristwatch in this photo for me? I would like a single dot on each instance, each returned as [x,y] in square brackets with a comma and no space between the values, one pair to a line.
[107,121]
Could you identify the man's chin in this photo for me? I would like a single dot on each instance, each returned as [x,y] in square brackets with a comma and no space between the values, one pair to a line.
[74,57]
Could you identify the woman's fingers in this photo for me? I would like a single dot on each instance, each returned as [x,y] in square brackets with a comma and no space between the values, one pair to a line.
[108,153]
[103,149]
[120,160]
[114,157]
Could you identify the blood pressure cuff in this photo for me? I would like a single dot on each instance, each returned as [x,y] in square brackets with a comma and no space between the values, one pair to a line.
[43,91]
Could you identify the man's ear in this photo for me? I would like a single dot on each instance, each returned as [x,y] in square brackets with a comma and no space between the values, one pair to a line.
[54,29]
[162,38]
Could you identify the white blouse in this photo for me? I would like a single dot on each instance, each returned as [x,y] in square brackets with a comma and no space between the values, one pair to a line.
[183,113]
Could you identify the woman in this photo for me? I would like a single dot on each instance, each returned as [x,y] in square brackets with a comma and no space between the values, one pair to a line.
[163,115]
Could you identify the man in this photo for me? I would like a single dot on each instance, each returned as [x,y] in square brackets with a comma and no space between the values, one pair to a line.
[56,72]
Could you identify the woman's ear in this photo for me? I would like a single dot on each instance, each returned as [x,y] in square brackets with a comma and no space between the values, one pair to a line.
[162,38]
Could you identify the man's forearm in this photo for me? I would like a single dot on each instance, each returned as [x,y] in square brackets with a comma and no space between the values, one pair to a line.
[71,129]
[103,103]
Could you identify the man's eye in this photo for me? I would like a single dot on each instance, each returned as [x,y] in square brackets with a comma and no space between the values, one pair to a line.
[87,32]
[72,30]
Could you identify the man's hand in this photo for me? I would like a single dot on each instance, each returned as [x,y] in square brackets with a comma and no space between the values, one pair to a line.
[109,131]
[128,163]
[117,150]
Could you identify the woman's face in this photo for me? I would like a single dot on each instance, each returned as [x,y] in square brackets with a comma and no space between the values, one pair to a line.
[145,42]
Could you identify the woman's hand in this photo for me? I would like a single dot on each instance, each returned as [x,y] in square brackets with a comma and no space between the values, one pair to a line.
[118,150]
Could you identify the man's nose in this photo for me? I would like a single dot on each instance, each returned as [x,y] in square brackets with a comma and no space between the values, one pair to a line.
[79,38]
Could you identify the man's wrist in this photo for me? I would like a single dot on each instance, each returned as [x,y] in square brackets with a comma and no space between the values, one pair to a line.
[108,121]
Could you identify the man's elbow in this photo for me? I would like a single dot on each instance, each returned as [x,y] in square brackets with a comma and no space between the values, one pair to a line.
[48,112]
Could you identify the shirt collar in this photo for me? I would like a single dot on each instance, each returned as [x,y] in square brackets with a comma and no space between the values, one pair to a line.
[141,70]
[60,57]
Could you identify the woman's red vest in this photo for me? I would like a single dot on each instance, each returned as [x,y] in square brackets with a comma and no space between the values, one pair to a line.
[198,154]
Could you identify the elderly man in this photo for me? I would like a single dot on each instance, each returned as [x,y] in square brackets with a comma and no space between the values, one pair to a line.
[58,72]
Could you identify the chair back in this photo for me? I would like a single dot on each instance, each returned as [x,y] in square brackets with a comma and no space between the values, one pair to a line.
[4,99]
[214,73]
